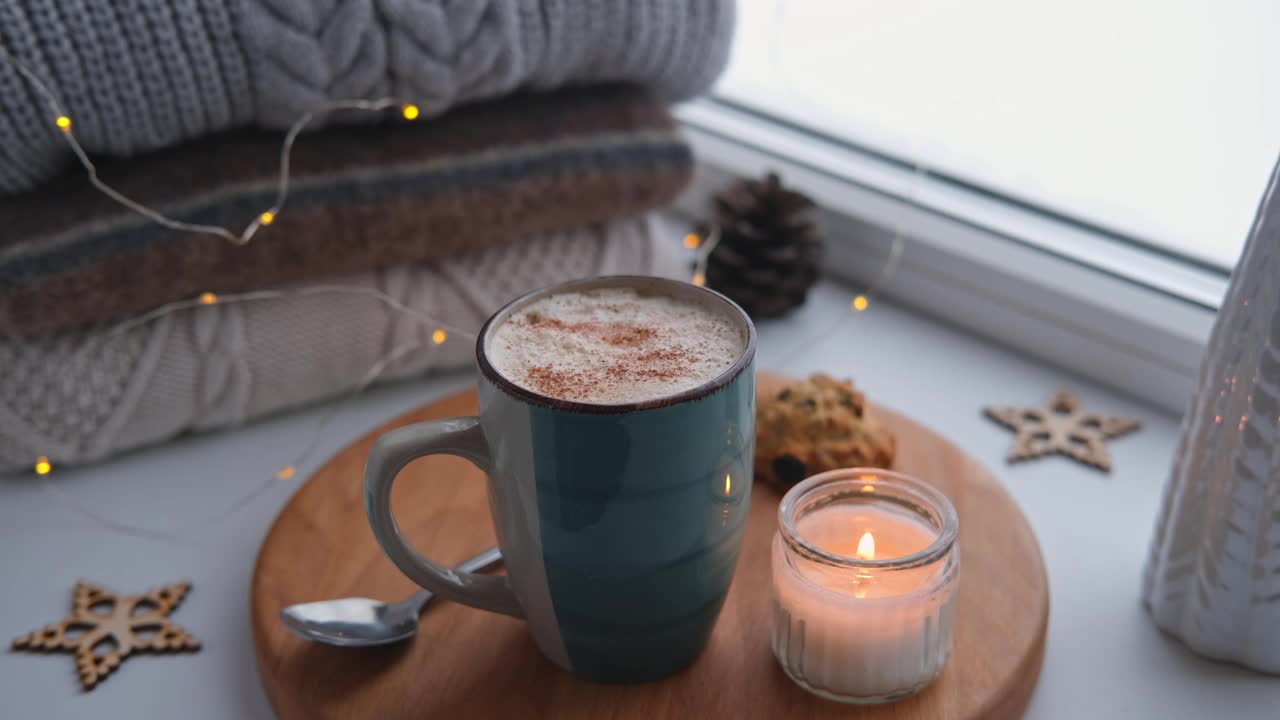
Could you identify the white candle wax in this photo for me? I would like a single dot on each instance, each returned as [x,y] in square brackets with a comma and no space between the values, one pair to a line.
[862,633]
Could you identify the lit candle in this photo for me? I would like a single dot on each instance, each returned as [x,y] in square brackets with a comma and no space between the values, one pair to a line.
[865,570]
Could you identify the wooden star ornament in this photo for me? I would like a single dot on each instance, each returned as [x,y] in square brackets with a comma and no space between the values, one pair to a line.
[1061,427]
[103,629]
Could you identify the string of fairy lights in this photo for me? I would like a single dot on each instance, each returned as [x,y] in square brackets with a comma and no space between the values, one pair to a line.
[62,120]
[702,246]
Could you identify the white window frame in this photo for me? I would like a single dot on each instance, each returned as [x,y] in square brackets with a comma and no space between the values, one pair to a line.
[1126,316]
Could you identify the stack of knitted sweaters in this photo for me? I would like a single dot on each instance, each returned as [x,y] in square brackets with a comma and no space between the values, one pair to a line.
[543,142]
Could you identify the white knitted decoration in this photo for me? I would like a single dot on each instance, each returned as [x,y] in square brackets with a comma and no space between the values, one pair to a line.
[220,365]
[1213,578]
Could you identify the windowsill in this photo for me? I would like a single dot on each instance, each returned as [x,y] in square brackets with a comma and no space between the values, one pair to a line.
[1104,659]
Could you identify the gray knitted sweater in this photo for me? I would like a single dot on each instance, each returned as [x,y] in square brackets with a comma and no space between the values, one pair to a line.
[137,75]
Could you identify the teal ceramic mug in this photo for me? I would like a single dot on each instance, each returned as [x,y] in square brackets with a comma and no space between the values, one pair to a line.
[620,524]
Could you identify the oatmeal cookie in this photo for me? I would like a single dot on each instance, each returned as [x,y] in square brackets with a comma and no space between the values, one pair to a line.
[816,425]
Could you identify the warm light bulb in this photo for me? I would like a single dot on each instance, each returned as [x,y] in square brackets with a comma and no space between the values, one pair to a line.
[692,240]
[64,123]
[868,488]
[866,547]
[860,303]
[410,112]
[43,465]
[267,218]
[728,485]
[285,472]
[208,298]
[439,336]
[699,279]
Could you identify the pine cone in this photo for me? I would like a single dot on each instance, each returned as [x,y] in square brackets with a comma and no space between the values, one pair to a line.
[767,257]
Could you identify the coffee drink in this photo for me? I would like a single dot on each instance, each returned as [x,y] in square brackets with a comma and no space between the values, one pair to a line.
[614,413]
[614,345]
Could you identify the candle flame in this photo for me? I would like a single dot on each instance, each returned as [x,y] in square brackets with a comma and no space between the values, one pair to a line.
[728,485]
[867,547]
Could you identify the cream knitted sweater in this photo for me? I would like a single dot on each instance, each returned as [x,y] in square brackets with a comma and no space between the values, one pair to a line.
[84,396]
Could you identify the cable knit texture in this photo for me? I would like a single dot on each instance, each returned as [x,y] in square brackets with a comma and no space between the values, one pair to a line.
[136,75]
[84,396]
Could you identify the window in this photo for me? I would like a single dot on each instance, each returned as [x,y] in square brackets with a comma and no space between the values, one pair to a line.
[1073,180]
[1151,122]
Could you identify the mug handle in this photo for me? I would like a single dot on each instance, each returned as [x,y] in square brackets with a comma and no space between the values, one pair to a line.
[453,436]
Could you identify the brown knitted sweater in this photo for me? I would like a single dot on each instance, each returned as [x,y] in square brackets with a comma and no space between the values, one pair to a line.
[360,198]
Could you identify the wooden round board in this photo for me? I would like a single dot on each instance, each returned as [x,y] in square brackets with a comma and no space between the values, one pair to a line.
[468,663]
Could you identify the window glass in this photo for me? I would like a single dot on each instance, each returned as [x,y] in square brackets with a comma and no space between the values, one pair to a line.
[1155,120]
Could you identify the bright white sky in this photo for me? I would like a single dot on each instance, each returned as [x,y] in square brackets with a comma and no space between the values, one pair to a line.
[1156,118]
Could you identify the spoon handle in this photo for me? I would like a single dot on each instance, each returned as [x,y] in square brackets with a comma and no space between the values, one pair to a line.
[484,560]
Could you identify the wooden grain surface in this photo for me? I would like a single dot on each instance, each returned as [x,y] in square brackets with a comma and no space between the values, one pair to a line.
[467,663]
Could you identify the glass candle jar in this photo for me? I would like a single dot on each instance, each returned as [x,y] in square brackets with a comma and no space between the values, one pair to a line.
[865,571]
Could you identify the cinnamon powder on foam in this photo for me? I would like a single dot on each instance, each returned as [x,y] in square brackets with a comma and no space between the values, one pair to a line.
[631,354]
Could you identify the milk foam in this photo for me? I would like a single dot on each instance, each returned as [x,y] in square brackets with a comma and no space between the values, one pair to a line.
[612,346]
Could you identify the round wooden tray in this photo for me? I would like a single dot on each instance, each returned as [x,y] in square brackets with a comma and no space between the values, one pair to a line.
[467,663]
